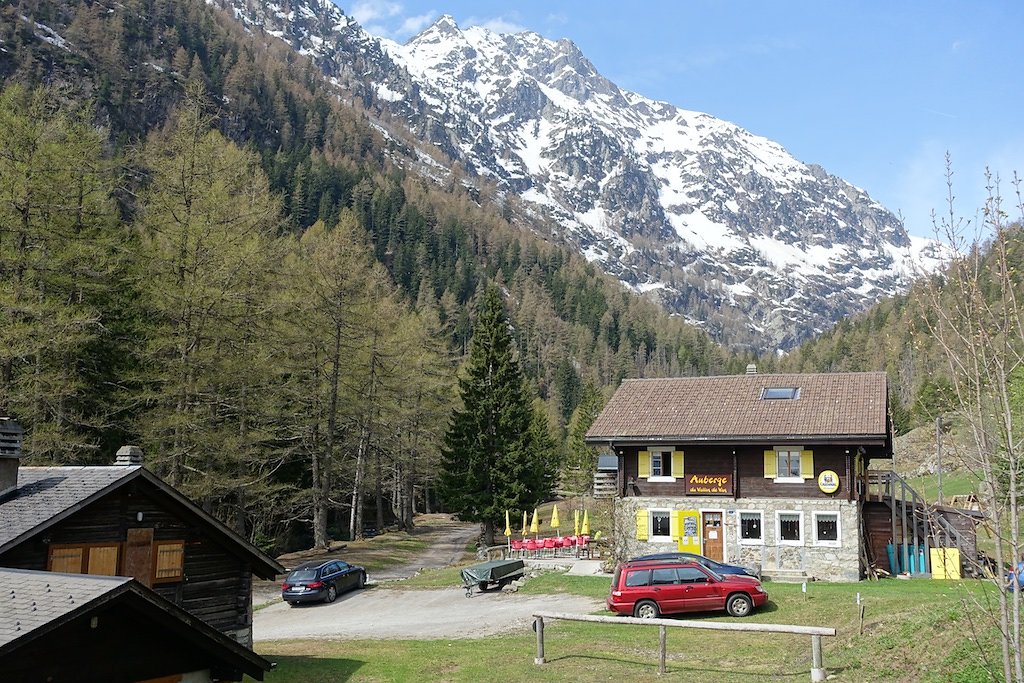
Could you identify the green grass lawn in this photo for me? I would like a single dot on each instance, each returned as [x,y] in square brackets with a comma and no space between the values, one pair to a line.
[953,484]
[917,630]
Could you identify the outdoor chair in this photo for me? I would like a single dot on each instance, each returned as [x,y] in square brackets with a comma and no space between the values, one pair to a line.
[517,549]
[531,547]
[549,546]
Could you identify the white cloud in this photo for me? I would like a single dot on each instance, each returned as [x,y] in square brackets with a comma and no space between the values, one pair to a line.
[370,11]
[498,25]
[413,25]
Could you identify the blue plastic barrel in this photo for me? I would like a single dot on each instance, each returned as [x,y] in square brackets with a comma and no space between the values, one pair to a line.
[890,550]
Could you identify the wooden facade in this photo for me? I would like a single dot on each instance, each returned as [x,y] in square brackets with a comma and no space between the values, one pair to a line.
[745,464]
[140,529]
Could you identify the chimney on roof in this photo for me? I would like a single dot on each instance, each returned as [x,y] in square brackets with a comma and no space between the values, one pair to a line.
[10,454]
[128,456]
[751,368]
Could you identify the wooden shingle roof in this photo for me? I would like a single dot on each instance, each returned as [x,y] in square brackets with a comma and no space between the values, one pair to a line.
[839,407]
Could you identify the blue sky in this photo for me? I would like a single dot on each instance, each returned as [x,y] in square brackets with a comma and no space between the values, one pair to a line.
[875,92]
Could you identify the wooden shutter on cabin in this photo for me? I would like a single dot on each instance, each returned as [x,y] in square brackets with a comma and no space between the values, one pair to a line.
[641,525]
[66,560]
[644,465]
[675,523]
[771,465]
[677,464]
[170,560]
[807,464]
[103,560]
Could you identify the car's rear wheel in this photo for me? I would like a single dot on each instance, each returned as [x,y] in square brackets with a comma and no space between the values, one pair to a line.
[332,594]
[646,609]
[292,604]
[739,605]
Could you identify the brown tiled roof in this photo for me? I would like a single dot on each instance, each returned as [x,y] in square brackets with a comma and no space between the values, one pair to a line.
[729,408]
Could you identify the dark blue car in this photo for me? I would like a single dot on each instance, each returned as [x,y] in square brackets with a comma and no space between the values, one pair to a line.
[321,581]
[718,567]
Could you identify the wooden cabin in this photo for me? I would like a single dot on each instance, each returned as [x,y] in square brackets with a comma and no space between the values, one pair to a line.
[98,629]
[123,520]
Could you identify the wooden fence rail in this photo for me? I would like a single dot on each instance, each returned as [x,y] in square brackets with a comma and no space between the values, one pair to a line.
[815,632]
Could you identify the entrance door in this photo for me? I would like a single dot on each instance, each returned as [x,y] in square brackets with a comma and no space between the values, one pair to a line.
[713,535]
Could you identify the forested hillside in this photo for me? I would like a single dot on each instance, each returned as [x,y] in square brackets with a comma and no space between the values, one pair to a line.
[204,251]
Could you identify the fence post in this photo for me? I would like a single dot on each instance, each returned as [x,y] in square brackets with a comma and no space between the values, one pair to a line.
[539,625]
[817,670]
[661,648]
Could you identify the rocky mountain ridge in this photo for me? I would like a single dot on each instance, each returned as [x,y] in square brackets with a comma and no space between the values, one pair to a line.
[722,226]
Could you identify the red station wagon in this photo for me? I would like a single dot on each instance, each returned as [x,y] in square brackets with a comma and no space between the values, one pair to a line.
[650,588]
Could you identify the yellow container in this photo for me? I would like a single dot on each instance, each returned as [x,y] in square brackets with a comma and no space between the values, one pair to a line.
[945,563]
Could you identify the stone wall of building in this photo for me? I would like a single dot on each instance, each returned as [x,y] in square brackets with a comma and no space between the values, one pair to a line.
[808,558]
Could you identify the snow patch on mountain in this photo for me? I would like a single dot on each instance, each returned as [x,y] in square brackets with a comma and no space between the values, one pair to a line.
[721,225]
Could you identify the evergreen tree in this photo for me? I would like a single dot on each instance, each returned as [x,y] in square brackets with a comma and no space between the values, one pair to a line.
[581,459]
[490,461]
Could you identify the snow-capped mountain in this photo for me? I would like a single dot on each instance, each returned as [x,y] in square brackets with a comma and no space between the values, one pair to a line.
[722,226]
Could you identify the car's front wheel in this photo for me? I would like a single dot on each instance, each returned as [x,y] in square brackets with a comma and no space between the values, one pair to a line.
[646,609]
[739,605]
[332,594]
[361,581]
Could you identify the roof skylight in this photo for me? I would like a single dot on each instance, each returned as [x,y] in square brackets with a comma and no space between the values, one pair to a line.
[780,393]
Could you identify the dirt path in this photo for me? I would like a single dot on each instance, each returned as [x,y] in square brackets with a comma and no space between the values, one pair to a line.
[376,613]
[446,541]
[394,613]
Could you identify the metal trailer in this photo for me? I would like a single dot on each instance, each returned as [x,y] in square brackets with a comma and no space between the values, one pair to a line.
[495,572]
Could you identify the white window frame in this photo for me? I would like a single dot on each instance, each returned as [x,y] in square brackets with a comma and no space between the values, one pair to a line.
[787,479]
[651,538]
[666,456]
[778,527]
[839,529]
[739,530]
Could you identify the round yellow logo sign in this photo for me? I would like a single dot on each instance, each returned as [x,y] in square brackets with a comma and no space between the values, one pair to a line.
[828,481]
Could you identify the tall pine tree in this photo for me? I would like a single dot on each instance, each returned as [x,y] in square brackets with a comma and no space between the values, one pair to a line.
[490,461]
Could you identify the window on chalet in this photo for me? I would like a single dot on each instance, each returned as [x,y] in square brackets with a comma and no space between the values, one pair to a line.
[751,527]
[168,561]
[826,528]
[660,464]
[780,393]
[789,465]
[789,525]
[93,558]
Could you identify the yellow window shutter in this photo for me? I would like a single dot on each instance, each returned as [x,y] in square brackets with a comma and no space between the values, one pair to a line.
[807,464]
[677,464]
[645,465]
[771,465]
[675,523]
[641,525]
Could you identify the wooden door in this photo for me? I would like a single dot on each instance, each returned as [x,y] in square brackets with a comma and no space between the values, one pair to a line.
[138,556]
[713,533]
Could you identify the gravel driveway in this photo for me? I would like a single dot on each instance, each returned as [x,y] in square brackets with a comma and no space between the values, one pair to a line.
[412,614]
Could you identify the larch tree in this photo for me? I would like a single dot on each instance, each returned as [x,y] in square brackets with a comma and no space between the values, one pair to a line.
[59,268]
[494,458]
[208,259]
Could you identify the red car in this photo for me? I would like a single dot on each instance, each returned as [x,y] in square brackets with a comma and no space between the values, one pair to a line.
[650,588]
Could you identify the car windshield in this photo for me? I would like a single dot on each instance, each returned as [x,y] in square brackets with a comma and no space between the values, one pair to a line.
[301,575]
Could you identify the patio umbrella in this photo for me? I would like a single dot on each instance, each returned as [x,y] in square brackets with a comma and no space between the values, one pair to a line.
[586,524]
[534,527]
[508,531]
[576,522]
[554,518]
[524,524]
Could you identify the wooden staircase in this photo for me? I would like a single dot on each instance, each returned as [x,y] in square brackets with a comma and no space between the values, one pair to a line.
[893,512]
